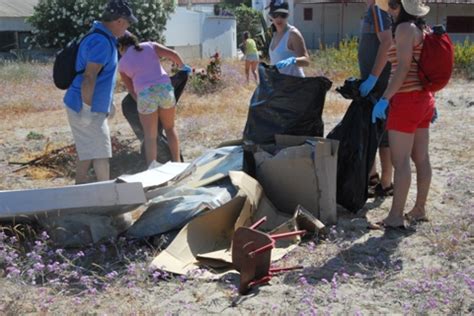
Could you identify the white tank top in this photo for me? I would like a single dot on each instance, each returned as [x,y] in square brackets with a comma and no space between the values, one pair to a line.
[281,52]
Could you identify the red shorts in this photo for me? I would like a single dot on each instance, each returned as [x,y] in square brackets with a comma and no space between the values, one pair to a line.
[409,111]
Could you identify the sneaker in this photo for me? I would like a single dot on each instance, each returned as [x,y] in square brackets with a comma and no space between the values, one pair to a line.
[154,164]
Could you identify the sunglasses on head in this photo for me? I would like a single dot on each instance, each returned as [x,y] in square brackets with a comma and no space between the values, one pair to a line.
[393,4]
[279,15]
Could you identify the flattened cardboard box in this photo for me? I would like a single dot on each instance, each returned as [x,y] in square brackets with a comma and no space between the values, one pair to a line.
[206,240]
[303,172]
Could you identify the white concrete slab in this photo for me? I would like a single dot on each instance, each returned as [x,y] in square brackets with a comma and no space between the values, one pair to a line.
[99,194]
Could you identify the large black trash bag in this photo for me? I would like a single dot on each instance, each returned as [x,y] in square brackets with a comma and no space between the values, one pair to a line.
[283,104]
[358,141]
[129,109]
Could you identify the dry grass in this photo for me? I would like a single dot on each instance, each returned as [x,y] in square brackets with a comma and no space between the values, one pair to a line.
[429,271]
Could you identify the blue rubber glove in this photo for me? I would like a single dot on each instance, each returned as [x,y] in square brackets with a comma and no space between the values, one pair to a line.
[379,110]
[368,85]
[286,62]
[434,118]
[187,68]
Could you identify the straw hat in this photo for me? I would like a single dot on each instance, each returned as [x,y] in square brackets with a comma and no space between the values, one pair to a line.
[413,7]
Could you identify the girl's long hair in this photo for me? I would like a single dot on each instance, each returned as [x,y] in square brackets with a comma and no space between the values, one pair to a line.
[404,16]
[128,39]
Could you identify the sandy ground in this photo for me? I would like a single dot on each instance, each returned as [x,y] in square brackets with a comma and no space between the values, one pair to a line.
[354,271]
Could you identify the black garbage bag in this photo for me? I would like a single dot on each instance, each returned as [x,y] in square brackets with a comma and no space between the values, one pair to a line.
[283,104]
[129,109]
[358,141]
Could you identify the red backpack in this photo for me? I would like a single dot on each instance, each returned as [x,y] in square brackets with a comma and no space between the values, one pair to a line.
[437,60]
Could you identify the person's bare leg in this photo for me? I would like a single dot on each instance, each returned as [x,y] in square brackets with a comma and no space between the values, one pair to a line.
[401,145]
[167,119]
[247,70]
[386,166]
[102,169]
[373,170]
[421,158]
[149,123]
[82,170]
[254,70]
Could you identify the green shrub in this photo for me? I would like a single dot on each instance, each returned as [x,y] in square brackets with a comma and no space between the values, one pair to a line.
[56,22]
[464,58]
[342,62]
[248,19]
[32,135]
[338,62]
[206,80]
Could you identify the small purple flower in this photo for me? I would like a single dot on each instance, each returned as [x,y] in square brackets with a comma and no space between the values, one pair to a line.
[156,275]
[303,281]
[39,267]
[102,248]
[111,275]
[59,251]
[12,272]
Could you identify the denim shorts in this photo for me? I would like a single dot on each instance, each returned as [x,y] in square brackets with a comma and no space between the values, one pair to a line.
[251,57]
[157,96]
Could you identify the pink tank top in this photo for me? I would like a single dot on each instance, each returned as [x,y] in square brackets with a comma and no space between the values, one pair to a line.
[143,67]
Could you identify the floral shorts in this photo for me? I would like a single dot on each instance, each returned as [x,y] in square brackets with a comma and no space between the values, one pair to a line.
[158,96]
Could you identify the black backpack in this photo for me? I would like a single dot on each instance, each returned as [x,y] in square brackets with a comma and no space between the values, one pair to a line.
[64,69]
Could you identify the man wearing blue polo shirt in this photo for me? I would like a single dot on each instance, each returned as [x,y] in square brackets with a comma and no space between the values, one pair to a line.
[89,99]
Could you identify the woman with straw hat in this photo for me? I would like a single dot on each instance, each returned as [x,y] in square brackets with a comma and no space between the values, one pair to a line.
[410,110]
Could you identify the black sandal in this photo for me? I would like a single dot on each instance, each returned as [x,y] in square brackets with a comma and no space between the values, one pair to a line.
[374,180]
[383,192]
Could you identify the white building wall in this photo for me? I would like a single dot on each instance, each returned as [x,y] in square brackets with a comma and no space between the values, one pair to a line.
[219,35]
[199,35]
[181,28]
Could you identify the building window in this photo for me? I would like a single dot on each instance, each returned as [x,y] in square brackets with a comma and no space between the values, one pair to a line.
[308,14]
[460,24]
[7,41]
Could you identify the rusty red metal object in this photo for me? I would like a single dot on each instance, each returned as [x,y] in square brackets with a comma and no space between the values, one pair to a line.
[251,255]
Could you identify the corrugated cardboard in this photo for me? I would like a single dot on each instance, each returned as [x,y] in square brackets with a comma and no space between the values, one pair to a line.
[303,172]
[209,236]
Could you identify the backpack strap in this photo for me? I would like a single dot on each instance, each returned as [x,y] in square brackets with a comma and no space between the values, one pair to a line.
[417,62]
[96,31]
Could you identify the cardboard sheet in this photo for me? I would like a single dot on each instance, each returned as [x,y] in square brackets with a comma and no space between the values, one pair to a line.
[303,173]
[207,239]
[157,176]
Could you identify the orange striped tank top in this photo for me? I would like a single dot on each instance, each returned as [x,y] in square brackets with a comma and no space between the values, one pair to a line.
[412,82]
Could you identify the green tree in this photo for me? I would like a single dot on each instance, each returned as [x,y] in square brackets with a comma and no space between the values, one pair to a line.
[236,3]
[56,22]
[248,19]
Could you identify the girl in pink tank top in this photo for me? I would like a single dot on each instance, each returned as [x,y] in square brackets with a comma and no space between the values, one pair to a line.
[150,86]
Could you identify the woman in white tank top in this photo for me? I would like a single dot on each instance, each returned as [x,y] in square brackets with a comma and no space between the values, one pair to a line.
[287,49]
